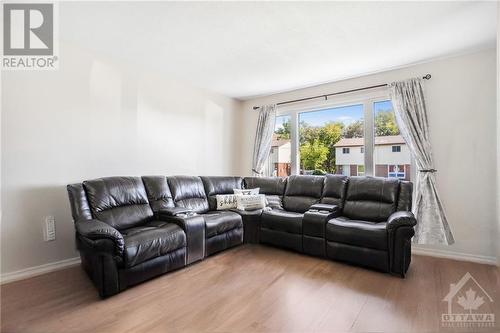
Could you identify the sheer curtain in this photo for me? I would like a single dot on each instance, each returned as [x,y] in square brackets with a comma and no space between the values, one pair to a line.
[263,138]
[411,115]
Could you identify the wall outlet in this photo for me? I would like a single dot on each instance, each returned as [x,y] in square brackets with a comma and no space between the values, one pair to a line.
[49,228]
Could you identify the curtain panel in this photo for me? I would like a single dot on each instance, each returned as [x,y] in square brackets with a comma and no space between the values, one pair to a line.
[263,138]
[411,115]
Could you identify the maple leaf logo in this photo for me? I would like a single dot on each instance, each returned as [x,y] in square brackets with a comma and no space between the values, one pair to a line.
[470,301]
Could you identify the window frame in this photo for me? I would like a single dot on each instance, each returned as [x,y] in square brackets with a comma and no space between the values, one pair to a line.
[346,150]
[365,98]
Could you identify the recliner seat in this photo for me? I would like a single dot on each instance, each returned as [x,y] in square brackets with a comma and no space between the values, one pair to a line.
[120,243]
[130,229]
[361,233]
[283,227]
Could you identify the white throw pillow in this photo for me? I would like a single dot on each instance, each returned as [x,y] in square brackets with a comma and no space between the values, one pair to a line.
[251,201]
[225,201]
[248,191]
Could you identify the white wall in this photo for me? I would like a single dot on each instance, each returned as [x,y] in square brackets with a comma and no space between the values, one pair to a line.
[95,117]
[383,154]
[498,133]
[355,156]
[461,100]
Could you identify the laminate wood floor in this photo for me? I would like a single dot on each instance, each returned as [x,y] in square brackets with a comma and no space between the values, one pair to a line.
[251,288]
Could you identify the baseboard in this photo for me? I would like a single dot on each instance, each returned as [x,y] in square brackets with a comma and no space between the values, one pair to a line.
[490,260]
[38,270]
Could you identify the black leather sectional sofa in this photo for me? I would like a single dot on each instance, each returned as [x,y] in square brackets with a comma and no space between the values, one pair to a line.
[130,229]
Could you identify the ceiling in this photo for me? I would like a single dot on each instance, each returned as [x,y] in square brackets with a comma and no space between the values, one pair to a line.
[247,49]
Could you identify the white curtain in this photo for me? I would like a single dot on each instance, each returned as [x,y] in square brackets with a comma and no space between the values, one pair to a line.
[263,138]
[411,115]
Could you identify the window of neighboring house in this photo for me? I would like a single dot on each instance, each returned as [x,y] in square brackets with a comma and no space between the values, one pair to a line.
[362,150]
[361,170]
[396,149]
[323,136]
[279,160]
[388,140]
[396,171]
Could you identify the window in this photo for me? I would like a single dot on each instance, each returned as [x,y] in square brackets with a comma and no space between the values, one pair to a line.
[351,135]
[396,149]
[361,170]
[325,137]
[396,171]
[279,161]
[387,141]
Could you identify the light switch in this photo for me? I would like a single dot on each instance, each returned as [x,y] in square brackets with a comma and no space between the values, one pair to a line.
[49,229]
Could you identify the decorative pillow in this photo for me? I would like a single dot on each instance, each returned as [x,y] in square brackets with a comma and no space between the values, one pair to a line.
[225,201]
[251,201]
[248,191]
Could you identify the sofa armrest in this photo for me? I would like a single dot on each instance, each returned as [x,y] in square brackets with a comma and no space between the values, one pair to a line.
[95,232]
[325,207]
[400,231]
[194,227]
[401,218]
[174,211]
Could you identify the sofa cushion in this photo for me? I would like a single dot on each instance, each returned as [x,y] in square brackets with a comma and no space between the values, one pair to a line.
[158,192]
[301,192]
[282,220]
[188,192]
[371,198]
[359,233]
[334,190]
[121,202]
[220,185]
[151,240]
[272,187]
[219,222]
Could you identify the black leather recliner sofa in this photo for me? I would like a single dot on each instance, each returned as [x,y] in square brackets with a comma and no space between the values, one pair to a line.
[130,229]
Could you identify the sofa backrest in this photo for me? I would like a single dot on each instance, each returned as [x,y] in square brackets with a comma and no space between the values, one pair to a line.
[220,185]
[334,190]
[188,192]
[405,196]
[301,192]
[121,202]
[371,198]
[272,187]
[80,209]
[159,195]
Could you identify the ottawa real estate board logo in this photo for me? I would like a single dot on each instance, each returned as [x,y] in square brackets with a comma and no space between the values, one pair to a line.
[30,36]
[469,305]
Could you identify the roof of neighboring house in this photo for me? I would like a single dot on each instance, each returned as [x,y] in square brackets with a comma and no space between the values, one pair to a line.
[379,141]
[279,142]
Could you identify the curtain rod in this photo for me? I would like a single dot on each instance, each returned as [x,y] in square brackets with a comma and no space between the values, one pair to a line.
[425,77]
